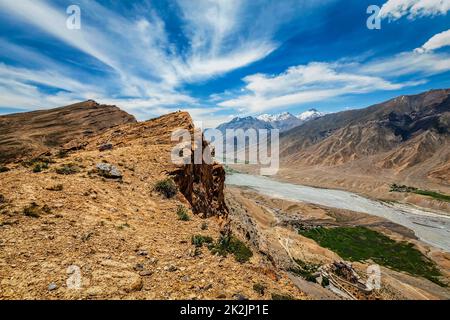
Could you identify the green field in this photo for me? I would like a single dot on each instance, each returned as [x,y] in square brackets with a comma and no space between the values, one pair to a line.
[361,244]
[433,194]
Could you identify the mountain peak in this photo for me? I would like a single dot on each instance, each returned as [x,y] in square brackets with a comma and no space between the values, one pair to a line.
[310,114]
[275,117]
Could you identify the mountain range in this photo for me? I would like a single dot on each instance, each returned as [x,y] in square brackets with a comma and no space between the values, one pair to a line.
[403,140]
[282,121]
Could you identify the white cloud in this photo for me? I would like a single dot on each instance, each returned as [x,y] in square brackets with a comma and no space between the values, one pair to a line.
[409,63]
[436,42]
[318,81]
[305,84]
[396,9]
[138,58]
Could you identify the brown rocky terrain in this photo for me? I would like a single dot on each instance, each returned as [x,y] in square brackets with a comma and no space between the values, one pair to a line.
[33,133]
[93,213]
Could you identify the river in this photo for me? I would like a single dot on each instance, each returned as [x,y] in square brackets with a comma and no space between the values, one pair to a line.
[431,228]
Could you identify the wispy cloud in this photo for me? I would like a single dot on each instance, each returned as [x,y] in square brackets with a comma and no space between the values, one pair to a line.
[412,9]
[140,61]
[436,42]
[317,81]
[305,84]
[145,59]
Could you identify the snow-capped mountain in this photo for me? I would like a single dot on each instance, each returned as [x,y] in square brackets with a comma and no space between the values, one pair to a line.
[311,114]
[245,124]
[282,121]
[275,117]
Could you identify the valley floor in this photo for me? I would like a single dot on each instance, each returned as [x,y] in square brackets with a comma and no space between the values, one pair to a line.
[370,182]
[269,222]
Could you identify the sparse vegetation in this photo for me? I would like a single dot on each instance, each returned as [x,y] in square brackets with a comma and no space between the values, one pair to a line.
[204,226]
[2,199]
[433,194]
[361,244]
[42,161]
[259,288]
[37,168]
[58,187]
[33,210]
[46,209]
[67,169]
[226,245]
[277,296]
[62,154]
[305,270]
[199,240]
[166,187]
[182,213]
[123,226]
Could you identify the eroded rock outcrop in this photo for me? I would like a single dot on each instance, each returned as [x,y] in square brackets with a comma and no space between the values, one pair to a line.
[203,186]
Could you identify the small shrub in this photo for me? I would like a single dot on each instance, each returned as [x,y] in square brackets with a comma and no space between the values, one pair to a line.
[259,288]
[199,240]
[2,199]
[204,226]
[58,187]
[232,245]
[325,282]
[67,169]
[46,209]
[123,226]
[4,169]
[62,154]
[39,166]
[305,270]
[166,187]
[182,214]
[42,161]
[277,296]
[32,211]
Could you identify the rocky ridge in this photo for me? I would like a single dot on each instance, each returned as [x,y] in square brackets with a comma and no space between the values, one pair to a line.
[92,213]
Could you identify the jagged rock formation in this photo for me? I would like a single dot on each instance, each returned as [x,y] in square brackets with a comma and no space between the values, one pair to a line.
[201,184]
[33,133]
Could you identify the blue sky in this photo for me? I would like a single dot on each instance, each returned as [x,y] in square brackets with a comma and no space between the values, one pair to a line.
[220,59]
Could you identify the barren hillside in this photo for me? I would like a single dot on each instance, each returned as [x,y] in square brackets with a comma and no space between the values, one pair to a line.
[405,140]
[104,213]
[36,132]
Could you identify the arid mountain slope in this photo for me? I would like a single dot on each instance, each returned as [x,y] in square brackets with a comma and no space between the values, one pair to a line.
[405,139]
[358,133]
[36,132]
[114,231]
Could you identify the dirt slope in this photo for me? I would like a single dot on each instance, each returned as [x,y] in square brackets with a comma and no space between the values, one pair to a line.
[36,132]
[125,238]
